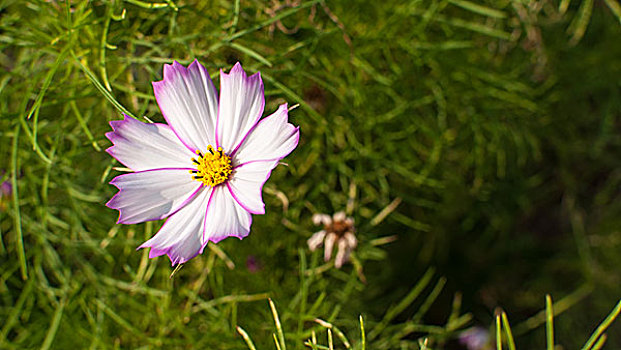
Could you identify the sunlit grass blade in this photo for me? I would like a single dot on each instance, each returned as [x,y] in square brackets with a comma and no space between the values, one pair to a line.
[281,335]
[246,337]
[589,345]
[560,306]
[422,343]
[363,338]
[330,343]
[508,332]
[581,21]
[153,5]
[549,323]
[338,332]
[498,334]
[600,342]
[276,342]
[615,7]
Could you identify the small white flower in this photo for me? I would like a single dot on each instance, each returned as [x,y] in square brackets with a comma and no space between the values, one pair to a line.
[476,338]
[205,170]
[338,229]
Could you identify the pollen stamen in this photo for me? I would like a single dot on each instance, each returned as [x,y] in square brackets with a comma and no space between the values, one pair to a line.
[213,168]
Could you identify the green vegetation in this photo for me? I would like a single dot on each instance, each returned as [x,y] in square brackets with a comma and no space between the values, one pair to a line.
[477,144]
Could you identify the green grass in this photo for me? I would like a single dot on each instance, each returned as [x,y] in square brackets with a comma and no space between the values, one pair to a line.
[476,144]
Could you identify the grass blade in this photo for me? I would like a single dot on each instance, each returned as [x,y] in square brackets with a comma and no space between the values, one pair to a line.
[78,115]
[39,99]
[407,300]
[614,6]
[250,52]
[560,307]
[481,10]
[281,336]
[246,337]
[12,318]
[363,339]
[507,327]
[51,333]
[579,25]
[498,334]
[19,240]
[151,5]
[549,323]
[278,17]
[602,327]
[101,88]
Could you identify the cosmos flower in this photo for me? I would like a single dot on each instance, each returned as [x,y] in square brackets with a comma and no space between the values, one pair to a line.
[338,229]
[253,264]
[204,171]
[475,338]
[6,190]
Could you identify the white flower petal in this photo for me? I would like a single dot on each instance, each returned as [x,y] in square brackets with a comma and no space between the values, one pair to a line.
[141,146]
[189,102]
[181,236]
[152,194]
[272,138]
[352,242]
[322,219]
[342,254]
[225,217]
[316,240]
[329,245]
[241,106]
[339,216]
[247,182]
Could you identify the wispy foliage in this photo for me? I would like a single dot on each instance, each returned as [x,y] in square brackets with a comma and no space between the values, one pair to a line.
[482,136]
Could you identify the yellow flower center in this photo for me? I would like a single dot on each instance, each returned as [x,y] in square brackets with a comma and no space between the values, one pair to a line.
[213,167]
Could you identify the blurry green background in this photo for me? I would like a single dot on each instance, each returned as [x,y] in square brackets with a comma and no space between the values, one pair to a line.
[483,137]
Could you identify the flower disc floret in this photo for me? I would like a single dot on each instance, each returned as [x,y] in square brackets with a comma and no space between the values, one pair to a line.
[212,168]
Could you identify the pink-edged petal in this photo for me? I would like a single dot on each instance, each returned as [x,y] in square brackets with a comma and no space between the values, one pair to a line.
[141,146]
[225,217]
[241,105]
[247,182]
[152,194]
[272,138]
[189,102]
[181,235]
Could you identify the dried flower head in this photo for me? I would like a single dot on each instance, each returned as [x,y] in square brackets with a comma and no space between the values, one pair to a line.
[337,230]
